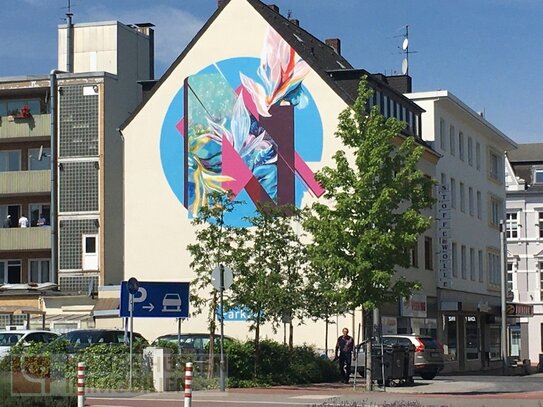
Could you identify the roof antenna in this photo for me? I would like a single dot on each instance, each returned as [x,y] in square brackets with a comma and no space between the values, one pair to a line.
[406,52]
[289,14]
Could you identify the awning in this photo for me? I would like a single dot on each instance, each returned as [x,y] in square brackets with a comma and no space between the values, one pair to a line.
[106,307]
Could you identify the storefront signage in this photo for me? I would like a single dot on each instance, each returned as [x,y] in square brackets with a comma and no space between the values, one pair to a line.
[414,306]
[444,233]
[519,310]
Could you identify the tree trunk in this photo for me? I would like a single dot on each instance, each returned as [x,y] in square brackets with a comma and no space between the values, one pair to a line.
[257,346]
[291,336]
[368,325]
[326,336]
[212,326]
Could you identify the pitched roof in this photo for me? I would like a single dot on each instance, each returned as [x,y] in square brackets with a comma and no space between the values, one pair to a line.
[532,152]
[333,68]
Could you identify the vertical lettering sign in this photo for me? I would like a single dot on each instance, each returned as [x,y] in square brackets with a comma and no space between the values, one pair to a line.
[444,279]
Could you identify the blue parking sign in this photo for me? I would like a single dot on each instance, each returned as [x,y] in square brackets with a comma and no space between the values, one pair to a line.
[156,300]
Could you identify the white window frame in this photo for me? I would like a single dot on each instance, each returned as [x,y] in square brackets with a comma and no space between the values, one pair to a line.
[40,271]
[512,225]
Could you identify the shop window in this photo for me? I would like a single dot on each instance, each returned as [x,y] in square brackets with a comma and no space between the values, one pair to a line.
[450,345]
[494,340]
[472,338]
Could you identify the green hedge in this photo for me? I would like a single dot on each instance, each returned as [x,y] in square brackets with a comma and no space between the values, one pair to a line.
[278,365]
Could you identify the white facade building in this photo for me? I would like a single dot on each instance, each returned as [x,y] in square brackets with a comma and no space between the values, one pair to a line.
[471,169]
[524,232]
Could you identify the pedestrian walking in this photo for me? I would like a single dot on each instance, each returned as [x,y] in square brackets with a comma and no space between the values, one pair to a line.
[344,353]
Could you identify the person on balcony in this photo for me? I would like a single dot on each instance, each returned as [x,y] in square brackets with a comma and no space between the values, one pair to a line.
[41,221]
[7,222]
[23,221]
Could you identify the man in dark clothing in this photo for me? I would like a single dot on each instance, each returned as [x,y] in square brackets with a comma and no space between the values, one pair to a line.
[344,352]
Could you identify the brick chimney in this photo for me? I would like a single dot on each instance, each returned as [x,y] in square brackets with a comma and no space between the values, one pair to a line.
[274,7]
[222,3]
[335,44]
[295,21]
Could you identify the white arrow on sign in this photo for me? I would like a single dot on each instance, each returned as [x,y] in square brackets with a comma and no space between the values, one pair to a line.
[150,307]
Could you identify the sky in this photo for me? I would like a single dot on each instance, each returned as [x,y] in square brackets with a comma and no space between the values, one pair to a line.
[489,53]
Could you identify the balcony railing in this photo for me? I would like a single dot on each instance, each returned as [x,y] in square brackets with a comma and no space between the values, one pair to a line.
[39,125]
[18,239]
[25,182]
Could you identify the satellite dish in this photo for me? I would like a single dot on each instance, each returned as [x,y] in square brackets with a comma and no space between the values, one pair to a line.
[405,43]
[405,66]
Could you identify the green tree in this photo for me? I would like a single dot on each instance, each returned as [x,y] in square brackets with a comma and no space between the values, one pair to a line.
[269,269]
[214,245]
[376,197]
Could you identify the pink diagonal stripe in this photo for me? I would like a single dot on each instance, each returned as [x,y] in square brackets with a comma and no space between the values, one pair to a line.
[307,175]
[235,167]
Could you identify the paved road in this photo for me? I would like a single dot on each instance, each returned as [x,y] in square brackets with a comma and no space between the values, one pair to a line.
[453,391]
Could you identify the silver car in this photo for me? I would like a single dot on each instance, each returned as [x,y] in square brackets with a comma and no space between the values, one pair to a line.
[428,354]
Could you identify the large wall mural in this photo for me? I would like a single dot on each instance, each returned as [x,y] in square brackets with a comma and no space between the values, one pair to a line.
[247,125]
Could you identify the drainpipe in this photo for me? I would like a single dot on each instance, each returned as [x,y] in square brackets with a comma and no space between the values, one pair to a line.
[54,159]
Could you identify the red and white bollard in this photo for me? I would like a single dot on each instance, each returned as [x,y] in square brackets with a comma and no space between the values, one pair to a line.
[188,384]
[81,384]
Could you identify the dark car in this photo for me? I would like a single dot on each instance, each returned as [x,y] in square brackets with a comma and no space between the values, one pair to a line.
[82,338]
[429,359]
[197,343]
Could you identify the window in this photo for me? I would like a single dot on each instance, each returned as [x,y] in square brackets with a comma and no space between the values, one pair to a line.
[495,211]
[428,254]
[481,266]
[478,155]
[511,225]
[463,262]
[494,269]
[10,271]
[470,151]
[540,215]
[10,160]
[470,200]
[37,161]
[479,205]
[39,213]
[509,286]
[541,336]
[472,264]
[452,138]
[414,255]
[443,179]
[13,106]
[495,171]
[453,192]
[472,337]
[454,260]
[462,197]
[461,145]
[538,176]
[442,134]
[450,347]
[541,281]
[40,271]
[385,105]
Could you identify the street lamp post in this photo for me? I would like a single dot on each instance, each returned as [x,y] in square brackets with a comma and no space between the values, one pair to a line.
[503,270]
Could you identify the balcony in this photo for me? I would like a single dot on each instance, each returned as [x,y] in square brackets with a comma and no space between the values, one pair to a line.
[25,182]
[18,239]
[38,125]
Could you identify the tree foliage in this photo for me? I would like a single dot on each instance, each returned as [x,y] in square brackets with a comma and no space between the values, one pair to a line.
[375,196]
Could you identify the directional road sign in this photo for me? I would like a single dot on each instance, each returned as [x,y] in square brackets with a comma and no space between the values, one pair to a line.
[157,300]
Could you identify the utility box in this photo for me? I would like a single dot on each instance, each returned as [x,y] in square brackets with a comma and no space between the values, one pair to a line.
[160,360]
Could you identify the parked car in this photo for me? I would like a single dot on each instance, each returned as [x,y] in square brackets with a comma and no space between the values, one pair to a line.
[197,343]
[82,338]
[8,339]
[428,354]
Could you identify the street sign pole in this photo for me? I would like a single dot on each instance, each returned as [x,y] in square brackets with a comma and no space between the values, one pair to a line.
[221,366]
[131,299]
[133,288]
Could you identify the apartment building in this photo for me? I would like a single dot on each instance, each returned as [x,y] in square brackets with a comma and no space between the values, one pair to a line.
[61,167]
[470,177]
[524,233]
